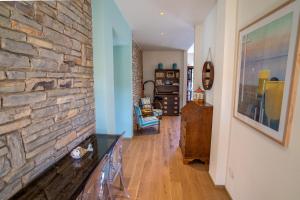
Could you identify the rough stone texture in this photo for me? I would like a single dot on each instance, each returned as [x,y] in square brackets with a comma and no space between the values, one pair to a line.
[39,42]
[9,115]
[14,142]
[23,99]
[137,74]
[2,76]
[10,189]
[46,86]
[3,151]
[11,60]
[18,47]
[6,128]
[2,141]
[9,87]
[4,166]
[40,84]
[15,75]
[66,139]
[44,64]
[6,33]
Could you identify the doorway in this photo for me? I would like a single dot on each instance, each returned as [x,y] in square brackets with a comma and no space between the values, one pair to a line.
[190,77]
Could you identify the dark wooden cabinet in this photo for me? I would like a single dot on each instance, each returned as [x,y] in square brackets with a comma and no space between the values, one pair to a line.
[195,133]
[167,90]
[170,104]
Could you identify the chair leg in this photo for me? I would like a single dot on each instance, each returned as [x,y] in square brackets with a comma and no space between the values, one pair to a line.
[141,130]
[158,131]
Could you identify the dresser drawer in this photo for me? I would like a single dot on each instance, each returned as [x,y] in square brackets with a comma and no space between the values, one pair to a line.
[170,102]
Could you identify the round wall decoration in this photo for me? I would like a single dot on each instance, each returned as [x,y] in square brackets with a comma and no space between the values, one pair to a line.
[208,75]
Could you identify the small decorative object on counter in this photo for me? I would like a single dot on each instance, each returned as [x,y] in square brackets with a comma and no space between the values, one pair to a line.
[199,95]
[78,152]
[90,148]
[160,66]
[174,66]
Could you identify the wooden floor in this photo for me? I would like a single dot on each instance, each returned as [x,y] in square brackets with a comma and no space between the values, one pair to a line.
[154,169]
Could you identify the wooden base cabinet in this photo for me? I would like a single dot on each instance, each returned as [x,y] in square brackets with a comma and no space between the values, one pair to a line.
[170,105]
[195,133]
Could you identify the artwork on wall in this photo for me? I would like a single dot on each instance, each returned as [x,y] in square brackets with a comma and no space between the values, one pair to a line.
[265,72]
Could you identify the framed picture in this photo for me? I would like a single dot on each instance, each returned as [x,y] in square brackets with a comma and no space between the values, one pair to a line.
[265,65]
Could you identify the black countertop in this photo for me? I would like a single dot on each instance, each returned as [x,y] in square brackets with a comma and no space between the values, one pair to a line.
[66,179]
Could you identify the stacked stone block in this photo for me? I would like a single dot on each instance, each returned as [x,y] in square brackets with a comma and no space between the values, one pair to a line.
[137,73]
[46,86]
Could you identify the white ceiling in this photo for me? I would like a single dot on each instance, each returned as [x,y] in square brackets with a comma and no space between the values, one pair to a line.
[177,24]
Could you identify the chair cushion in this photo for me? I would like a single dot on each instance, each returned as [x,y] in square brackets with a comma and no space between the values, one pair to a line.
[149,121]
[146,101]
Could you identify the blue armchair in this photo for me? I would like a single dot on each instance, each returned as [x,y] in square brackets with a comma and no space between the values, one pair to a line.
[144,122]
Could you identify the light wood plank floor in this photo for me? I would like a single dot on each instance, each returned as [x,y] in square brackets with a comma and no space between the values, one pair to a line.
[154,169]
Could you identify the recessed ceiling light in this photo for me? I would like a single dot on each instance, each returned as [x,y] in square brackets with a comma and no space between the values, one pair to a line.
[162,33]
[162,13]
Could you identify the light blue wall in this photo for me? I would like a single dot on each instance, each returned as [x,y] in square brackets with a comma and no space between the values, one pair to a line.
[122,86]
[113,82]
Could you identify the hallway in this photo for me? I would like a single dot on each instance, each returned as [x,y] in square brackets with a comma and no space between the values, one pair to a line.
[154,169]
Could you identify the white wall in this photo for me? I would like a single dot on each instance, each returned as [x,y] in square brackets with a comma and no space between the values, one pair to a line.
[190,58]
[222,97]
[209,42]
[151,60]
[197,82]
[259,168]
[218,33]
[184,78]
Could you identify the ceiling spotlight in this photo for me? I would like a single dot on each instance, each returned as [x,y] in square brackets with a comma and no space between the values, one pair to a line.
[162,13]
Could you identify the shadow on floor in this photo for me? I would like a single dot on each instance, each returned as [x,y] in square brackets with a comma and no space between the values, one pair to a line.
[146,131]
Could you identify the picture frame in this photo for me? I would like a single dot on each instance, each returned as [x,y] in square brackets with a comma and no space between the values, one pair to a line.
[265,72]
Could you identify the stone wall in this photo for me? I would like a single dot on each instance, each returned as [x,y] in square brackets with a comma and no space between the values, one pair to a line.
[137,75]
[137,72]
[46,86]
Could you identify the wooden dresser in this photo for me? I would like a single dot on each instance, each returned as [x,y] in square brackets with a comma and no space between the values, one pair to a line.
[167,83]
[195,133]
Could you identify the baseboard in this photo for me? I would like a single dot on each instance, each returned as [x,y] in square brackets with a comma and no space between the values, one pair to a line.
[219,186]
[228,193]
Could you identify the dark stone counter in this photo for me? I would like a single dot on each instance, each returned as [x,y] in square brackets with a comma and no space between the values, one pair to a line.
[66,179]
